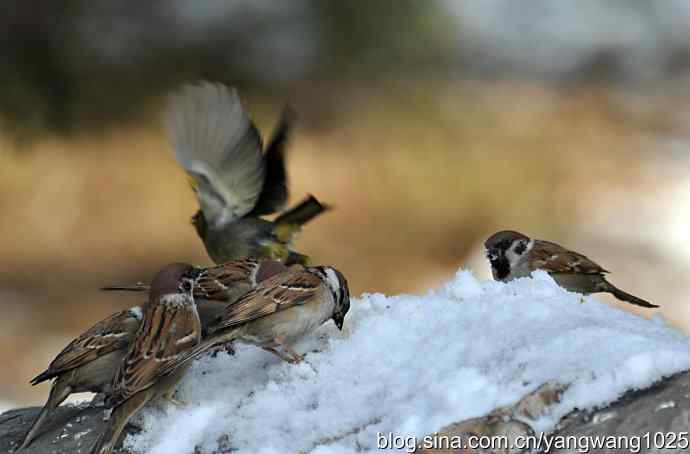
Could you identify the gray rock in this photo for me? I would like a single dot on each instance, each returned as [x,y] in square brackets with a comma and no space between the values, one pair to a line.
[664,409]
[661,410]
[70,430]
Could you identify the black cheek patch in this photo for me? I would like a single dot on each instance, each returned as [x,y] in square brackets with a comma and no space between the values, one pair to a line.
[520,248]
[501,268]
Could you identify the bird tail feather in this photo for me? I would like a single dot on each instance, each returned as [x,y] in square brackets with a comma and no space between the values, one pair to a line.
[303,212]
[118,420]
[57,395]
[138,287]
[628,298]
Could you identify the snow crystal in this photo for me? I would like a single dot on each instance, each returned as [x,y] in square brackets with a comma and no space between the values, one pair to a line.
[410,365]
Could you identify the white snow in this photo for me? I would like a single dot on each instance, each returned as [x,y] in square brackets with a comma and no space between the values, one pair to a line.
[411,364]
[6,406]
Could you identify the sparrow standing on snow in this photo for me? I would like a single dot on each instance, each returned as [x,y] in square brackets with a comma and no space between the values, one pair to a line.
[153,364]
[281,310]
[513,255]
[88,363]
[215,141]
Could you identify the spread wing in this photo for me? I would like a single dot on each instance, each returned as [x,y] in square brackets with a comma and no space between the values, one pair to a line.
[214,140]
[554,258]
[274,194]
[104,337]
[279,292]
[166,334]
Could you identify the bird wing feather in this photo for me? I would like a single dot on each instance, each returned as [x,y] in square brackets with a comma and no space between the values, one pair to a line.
[274,193]
[215,141]
[554,258]
[216,283]
[166,334]
[277,293]
[102,338]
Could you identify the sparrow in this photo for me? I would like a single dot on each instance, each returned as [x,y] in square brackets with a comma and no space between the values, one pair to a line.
[214,140]
[513,255]
[282,310]
[152,366]
[87,364]
[220,285]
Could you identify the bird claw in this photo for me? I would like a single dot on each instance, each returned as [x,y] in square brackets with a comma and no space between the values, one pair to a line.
[289,355]
[296,359]
[176,402]
[226,348]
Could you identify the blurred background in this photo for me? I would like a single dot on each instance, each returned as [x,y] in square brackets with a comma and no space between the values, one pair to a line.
[428,125]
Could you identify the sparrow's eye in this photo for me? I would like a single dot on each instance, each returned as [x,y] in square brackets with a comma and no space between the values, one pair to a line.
[186,285]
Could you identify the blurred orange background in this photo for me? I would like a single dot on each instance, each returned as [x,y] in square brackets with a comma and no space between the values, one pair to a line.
[428,126]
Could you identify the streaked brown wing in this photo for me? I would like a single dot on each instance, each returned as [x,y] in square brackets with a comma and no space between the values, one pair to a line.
[102,338]
[219,281]
[222,282]
[276,293]
[554,258]
[166,333]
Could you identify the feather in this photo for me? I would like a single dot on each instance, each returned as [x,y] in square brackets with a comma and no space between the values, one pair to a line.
[166,334]
[554,258]
[274,294]
[274,194]
[214,140]
[104,337]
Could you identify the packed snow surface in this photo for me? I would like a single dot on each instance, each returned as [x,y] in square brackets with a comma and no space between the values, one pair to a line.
[409,365]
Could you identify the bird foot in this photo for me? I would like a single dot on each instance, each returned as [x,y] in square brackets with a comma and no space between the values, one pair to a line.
[176,402]
[226,348]
[289,355]
[295,359]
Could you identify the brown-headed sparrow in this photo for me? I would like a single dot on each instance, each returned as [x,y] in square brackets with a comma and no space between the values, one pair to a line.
[513,255]
[221,284]
[88,363]
[281,310]
[215,141]
[153,364]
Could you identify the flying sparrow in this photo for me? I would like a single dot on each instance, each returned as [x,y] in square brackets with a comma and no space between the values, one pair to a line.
[152,366]
[513,255]
[88,363]
[281,310]
[215,141]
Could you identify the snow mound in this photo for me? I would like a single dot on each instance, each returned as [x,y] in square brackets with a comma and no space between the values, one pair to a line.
[411,364]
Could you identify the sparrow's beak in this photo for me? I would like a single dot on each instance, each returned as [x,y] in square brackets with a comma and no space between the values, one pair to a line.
[339,319]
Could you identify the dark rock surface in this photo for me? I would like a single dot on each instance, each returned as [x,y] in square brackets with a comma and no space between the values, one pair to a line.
[70,430]
[663,408]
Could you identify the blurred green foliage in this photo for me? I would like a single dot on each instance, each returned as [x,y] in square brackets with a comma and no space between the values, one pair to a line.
[83,65]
